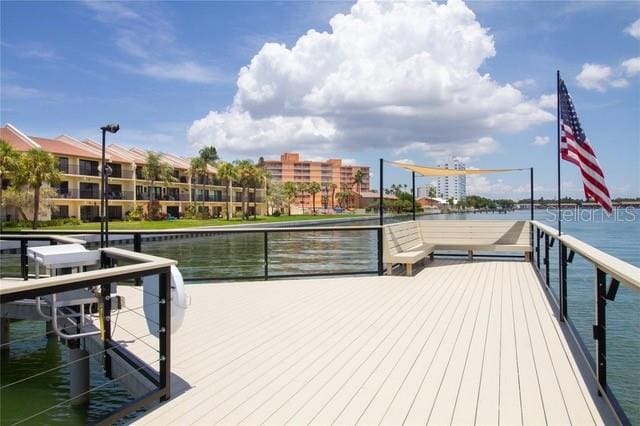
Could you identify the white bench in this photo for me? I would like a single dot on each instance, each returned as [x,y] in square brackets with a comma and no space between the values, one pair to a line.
[410,242]
[478,235]
[403,244]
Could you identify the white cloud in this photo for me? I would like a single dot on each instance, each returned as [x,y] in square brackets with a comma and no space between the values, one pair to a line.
[405,160]
[631,66]
[388,74]
[634,29]
[599,77]
[548,101]
[528,82]
[148,42]
[462,151]
[541,140]
[14,91]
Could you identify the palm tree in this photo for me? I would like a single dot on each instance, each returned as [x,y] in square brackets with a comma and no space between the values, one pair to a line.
[227,172]
[290,191]
[209,154]
[358,179]
[36,168]
[9,160]
[333,187]
[198,168]
[346,190]
[155,170]
[246,173]
[314,188]
[342,197]
[302,188]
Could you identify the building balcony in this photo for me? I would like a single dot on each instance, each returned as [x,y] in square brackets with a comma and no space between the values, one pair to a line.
[76,170]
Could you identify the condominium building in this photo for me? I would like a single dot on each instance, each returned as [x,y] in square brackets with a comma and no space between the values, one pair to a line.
[452,186]
[291,169]
[78,193]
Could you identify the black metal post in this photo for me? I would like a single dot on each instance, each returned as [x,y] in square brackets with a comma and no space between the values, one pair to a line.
[381,201]
[164,295]
[266,255]
[531,185]
[558,134]
[600,329]
[24,260]
[102,188]
[137,242]
[547,272]
[380,264]
[538,248]
[105,290]
[413,194]
[563,282]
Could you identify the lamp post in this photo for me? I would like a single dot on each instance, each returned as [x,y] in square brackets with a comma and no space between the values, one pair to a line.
[105,171]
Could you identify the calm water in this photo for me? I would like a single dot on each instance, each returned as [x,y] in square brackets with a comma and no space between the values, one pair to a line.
[242,255]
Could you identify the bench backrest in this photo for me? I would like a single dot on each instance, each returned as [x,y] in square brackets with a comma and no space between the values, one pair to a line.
[478,232]
[400,237]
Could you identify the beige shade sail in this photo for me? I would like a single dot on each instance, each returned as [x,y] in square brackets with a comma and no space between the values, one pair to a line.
[437,171]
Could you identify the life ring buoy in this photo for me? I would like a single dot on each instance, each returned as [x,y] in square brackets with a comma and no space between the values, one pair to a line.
[179,301]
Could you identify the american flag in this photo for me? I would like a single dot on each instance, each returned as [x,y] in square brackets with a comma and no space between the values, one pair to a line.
[575,148]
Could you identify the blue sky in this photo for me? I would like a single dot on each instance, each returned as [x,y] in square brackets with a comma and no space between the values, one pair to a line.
[169,74]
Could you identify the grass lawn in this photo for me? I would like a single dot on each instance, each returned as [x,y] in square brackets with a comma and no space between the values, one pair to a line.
[189,223]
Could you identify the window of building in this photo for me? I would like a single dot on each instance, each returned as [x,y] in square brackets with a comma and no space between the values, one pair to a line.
[116,170]
[88,168]
[60,212]
[89,190]
[90,213]
[63,164]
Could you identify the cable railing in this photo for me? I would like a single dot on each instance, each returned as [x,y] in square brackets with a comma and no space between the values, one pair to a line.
[87,330]
[608,273]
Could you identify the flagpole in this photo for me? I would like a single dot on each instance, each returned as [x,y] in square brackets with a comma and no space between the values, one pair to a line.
[558,132]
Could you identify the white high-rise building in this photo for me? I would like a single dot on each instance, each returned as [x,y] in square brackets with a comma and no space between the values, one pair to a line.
[452,186]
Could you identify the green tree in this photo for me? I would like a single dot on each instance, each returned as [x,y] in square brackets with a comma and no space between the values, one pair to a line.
[209,155]
[358,179]
[275,195]
[303,188]
[156,170]
[431,192]
[37,167]
[333,188]
[290,190]
[9,161]
[247,174]
[346,195]
[227,172]
[198,169]
[314,188]
[343,199]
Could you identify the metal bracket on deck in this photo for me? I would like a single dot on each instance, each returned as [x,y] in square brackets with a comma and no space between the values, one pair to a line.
[613,289]
[571,256]
[551,242]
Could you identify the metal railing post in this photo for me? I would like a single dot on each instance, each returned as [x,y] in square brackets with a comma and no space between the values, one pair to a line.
[24,260]
[380,265]
[538,248]
[563,281]
[266,255]
[600,329]
[137,242]
[164,295]
[547,272]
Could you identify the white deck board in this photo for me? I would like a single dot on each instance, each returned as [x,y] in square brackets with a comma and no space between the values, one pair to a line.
[459,343]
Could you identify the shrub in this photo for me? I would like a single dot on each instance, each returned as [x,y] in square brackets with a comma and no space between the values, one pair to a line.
[136,214]
[276,213]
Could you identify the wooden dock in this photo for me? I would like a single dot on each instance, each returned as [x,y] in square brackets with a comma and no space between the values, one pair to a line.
[459,343]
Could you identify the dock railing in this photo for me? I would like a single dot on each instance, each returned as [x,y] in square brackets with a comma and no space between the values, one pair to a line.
[80,318]
[606,268]
[138,239]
